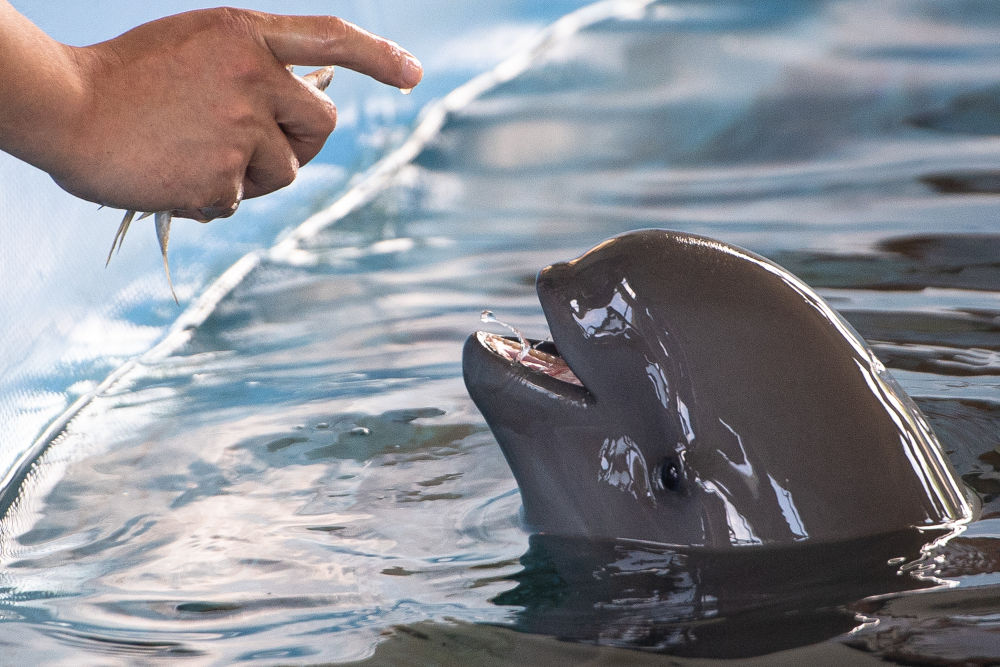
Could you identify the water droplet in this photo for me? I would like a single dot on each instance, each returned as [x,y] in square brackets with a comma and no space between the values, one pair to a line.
[489,317]
[406,91]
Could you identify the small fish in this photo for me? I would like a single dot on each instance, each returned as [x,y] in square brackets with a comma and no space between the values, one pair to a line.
[319,78]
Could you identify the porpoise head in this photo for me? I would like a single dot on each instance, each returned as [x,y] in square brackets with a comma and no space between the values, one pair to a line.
[696,394]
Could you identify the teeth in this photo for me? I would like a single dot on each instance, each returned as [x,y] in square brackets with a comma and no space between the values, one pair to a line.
[536,360]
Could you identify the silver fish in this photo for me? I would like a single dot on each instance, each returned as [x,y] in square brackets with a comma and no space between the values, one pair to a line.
[319,78]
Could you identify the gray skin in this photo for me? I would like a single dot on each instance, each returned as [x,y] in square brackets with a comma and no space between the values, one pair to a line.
[723,404]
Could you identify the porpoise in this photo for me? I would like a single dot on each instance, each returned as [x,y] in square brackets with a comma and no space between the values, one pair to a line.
[697,394]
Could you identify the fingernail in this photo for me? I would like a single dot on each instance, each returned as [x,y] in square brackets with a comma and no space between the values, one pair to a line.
[413,71]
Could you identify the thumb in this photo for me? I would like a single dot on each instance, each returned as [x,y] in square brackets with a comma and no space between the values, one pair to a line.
[328,40]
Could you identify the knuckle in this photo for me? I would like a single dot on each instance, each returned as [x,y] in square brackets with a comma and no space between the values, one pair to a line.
[228,30]
[219,195]
[331,117]
[232,193]
[326,121]
[230,18]
[321,115]
[230,165]
[285,177]
[220,22]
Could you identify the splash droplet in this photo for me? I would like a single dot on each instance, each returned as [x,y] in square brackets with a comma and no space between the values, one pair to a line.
[488,317]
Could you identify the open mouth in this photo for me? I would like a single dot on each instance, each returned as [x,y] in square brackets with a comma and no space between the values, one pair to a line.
[538,356]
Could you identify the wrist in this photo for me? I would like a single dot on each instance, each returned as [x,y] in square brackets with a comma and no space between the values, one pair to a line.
[41,93]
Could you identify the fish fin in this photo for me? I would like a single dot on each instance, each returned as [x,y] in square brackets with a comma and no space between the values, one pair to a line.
[120,235]
[163,219]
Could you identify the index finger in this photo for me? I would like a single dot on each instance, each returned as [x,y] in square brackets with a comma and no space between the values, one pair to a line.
[328,40]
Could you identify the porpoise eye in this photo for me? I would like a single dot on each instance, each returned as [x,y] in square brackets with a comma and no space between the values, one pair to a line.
[670,474]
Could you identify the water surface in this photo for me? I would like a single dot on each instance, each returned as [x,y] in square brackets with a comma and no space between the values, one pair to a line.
[297,474]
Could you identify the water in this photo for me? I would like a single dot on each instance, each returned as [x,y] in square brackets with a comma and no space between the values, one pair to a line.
[296,473]
[73,321]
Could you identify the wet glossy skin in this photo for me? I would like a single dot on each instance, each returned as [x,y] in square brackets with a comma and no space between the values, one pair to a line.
[723,403]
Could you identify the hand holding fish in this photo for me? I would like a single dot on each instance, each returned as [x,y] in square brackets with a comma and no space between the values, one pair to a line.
[186,115]
[320,78]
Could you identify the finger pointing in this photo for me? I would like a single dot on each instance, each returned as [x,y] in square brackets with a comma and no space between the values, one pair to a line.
[327,40]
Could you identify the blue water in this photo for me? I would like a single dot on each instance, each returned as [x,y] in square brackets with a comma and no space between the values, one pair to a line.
[294,472]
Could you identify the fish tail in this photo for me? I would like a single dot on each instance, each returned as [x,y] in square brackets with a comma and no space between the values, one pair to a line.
[120,235]
[163,219]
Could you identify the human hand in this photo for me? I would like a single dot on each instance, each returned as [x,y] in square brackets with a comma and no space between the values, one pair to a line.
[195,112]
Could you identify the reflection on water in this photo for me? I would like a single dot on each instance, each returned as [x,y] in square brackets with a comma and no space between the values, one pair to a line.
[705,604]
[306,472]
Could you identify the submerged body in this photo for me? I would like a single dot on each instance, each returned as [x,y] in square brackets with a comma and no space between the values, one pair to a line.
[699,395]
